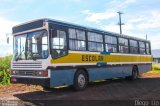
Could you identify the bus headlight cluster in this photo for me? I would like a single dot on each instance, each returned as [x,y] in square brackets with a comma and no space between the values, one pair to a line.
[42,73]
[45,73]
[14,72]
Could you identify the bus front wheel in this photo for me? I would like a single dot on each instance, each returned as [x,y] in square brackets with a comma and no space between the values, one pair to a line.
[80,80]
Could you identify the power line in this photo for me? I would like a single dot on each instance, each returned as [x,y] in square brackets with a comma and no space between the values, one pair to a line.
[120,23]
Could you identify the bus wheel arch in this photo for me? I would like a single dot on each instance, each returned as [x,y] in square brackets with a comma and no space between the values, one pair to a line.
[81,79]
[135,72]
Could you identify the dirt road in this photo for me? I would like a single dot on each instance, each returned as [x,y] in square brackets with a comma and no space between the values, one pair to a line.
[145,88]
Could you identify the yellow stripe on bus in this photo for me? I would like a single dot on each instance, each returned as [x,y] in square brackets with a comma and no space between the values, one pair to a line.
[94,58]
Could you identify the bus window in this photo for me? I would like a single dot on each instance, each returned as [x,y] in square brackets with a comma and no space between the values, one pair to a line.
[123,45]
[133,46]
[77,39]
[95,42]
[142,48]
[59,44]
[147,48]
[110,43]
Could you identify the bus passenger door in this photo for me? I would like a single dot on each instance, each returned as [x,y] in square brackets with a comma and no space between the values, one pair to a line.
[58,42]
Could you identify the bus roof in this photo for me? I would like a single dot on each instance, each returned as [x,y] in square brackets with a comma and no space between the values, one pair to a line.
[81,27]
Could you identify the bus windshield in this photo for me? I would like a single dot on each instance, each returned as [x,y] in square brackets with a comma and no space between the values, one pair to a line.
[30,46]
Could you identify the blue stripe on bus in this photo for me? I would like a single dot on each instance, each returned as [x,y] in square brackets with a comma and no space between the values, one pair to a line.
[106,53]
[101,63]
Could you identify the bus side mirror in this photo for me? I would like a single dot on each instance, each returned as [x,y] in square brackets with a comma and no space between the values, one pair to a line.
[8,35]
[7,40]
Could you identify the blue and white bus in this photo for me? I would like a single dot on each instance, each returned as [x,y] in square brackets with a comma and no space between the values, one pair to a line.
[52,53]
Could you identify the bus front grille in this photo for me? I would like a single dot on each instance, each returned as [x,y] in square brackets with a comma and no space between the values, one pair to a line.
[26,72]
[31,65]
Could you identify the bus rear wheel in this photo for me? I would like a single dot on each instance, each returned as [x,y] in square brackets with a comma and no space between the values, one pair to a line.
[80,80]
[134,73]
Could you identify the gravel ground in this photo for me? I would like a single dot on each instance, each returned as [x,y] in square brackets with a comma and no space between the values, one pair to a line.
[118,92]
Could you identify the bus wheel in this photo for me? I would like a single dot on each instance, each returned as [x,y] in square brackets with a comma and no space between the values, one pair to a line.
[134,73]
[80,80]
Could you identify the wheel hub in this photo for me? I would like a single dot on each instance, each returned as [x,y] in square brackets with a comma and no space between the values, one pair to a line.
[81,80]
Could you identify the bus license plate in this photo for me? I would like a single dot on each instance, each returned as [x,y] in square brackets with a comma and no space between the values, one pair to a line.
[14,80]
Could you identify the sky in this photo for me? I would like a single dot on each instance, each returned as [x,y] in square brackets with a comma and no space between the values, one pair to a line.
[140,17]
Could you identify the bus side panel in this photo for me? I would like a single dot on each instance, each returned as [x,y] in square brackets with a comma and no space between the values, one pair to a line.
[127,70]
[108,73]
[144,68]
[61,77]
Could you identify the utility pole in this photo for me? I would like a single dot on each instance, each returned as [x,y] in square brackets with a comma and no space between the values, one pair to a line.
[146,37]
[120,23]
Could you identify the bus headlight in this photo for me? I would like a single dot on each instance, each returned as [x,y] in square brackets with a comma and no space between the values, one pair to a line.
[42,73]
[13,72]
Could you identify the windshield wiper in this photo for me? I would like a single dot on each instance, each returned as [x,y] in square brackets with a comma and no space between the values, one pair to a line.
[18,57]
[34,58]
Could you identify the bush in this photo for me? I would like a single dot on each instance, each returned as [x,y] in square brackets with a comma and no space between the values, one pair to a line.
[4,72]
[156,67]
[4,77]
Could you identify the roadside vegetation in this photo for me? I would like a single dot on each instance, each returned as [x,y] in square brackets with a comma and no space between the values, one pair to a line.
[4,70]
[155,68]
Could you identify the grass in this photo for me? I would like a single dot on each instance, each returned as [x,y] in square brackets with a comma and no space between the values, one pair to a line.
[155,68]
[4,72]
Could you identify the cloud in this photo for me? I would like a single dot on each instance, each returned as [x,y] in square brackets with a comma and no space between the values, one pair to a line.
[115,28]
[147,20]
[155,41]
[6,11]
[110,12]
[111,27]
[120,4]
[98,16]
[135,20]
[151,20]
[5,27]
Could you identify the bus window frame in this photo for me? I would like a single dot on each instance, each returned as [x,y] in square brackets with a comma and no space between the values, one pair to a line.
[117,50]
[95,41]
[76,39]
[124,46]
[133,46]
[149,47]
[142,47]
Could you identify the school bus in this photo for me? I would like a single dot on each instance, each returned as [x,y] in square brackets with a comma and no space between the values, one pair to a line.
[52,53]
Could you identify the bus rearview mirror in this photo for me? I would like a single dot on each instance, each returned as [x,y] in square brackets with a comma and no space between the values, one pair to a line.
[8,35]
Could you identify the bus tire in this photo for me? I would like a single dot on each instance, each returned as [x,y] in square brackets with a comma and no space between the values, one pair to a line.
[80,80]
[134,73]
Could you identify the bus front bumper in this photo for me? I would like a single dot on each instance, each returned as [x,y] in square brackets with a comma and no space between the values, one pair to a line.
[44,81]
